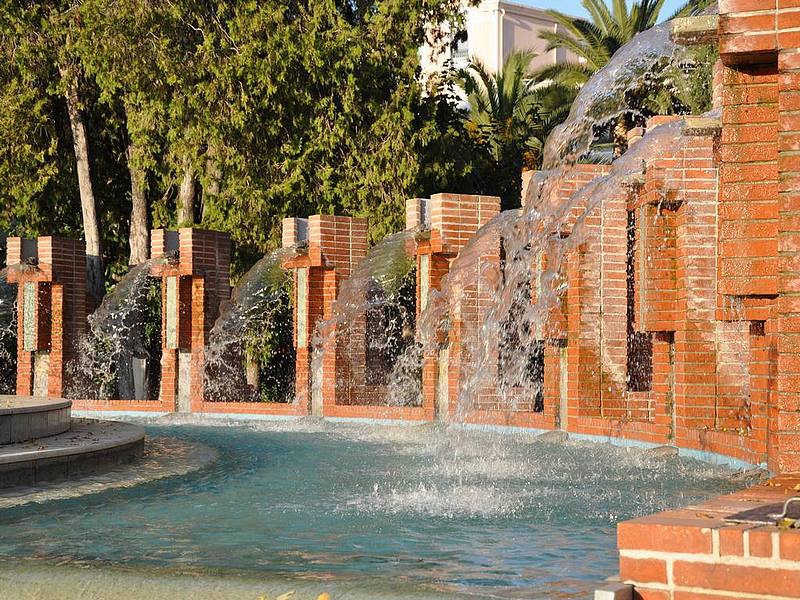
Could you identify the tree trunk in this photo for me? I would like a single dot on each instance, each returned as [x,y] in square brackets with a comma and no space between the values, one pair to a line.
[95,283]
[186,196]
[139,236]
[211,191]
[621,136]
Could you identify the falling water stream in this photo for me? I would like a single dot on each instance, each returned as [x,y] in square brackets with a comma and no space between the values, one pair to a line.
[255,327]
[8,334]
[119,356]
[372,328]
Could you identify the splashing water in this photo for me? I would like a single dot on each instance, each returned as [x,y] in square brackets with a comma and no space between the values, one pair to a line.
[250,355]
[124,336]
[372,328]
[505,293]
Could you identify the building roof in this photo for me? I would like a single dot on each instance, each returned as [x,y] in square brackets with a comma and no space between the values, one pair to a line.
[520,9]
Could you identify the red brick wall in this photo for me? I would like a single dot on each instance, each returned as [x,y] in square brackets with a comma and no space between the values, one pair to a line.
[335,245]
[203,271]
[61,311]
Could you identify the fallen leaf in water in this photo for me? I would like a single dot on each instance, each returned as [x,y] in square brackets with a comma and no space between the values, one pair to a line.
[285,596]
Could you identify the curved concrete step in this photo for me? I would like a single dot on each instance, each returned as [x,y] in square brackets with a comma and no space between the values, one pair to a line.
[88,447]
[24,418]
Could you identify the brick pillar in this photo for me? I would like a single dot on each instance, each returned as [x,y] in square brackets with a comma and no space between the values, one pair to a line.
[761,105]
[695,180]
[50,273]
[597,308]
[194,267]
[613,318]
[445,223]
[329,249]
[785,426]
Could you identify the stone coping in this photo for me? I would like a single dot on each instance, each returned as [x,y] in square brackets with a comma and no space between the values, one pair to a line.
[698,550]
[85,435]
[163,458]
[695,31]
[12,405]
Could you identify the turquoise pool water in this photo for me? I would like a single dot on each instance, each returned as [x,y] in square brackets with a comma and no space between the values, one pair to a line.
[372,511]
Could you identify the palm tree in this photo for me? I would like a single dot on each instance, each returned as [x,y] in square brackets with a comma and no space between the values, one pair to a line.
[596,40]
[505,119]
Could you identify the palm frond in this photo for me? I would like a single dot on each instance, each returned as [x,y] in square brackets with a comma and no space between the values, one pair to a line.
[568,74]
[600,14]
[691,8]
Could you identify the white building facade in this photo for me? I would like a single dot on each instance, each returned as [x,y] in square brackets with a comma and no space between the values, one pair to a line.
[494,29]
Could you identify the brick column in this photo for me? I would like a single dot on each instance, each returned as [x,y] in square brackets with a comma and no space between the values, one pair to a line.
[446,222]
[329,248]
[194,267]
[50,273]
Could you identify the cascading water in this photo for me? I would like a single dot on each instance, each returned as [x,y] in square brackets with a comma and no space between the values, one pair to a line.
[524,286]
[250,356]
[603,98]
[371,331]
[8,335]
[644,63]
[506,287]
[119,356]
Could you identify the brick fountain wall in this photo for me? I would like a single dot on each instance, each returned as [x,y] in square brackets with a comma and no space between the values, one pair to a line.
[699,258]
[52,305]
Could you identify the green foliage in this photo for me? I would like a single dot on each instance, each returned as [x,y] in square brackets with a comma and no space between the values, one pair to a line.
[508,120]
[693,8]
[324,113]
[286,108]
[268,342]
[693,82]
[37,162]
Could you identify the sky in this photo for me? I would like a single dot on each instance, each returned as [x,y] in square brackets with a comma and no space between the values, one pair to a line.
[573,7]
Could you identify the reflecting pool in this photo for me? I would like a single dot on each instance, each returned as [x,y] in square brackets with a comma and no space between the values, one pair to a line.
[366,511]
